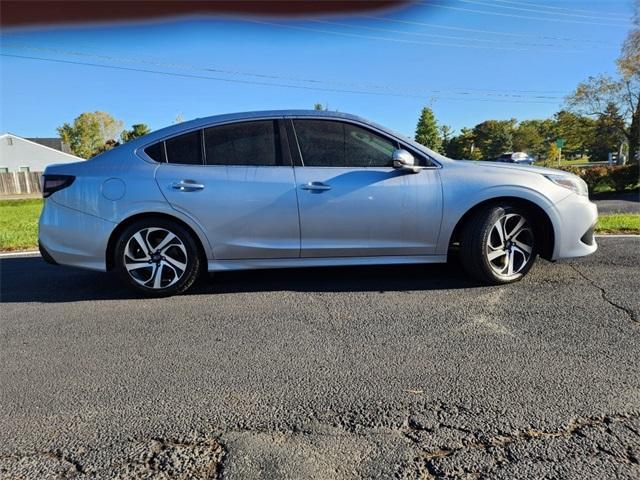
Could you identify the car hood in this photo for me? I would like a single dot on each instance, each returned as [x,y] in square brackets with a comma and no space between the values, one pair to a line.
[516,167]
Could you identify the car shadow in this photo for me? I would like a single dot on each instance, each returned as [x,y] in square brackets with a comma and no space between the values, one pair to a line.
[30,279]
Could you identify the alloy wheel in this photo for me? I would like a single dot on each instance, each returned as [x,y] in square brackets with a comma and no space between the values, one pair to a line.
[155,258]
[510,245]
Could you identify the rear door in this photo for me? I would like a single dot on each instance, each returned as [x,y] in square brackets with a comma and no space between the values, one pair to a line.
[238,183]
[353,202]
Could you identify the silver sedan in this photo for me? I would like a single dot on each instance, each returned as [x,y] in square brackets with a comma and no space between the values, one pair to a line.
[302,189]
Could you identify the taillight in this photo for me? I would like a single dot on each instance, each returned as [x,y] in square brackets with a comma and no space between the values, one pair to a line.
[53,183]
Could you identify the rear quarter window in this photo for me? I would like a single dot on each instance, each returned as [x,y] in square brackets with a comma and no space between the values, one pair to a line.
[156,152]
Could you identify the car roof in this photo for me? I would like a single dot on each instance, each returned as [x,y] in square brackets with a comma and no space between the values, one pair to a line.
[232,117]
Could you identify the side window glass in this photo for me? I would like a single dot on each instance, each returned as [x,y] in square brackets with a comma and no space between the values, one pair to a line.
[326,143]
[367,149]
[247,143]
[185,149]
[156,152]
[321,142]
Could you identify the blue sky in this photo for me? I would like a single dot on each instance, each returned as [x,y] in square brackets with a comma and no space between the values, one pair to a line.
[470,60]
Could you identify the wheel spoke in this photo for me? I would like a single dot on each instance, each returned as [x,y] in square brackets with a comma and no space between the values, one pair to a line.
[157,276]
[175,273]
[510,263]
[138,265]
[522,246]
[496,254]
[515,230]
[175,263]
[142,243]
[165,241]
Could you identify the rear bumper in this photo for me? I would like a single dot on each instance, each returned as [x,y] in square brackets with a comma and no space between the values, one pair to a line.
[69,237]
[574,234]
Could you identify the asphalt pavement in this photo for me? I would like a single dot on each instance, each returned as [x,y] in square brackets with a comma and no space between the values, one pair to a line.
[380,372]
[612,202]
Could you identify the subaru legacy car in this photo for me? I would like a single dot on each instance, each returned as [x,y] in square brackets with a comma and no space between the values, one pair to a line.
[302,189]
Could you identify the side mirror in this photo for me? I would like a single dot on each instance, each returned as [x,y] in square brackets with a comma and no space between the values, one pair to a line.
[403,160]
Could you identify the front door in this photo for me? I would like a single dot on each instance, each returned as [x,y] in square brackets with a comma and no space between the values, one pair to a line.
[353,202]
[236,183]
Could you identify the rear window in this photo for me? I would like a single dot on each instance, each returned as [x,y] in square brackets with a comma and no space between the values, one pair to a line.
[248,143]
[185,149]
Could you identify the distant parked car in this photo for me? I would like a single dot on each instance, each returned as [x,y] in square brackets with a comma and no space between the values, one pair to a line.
[302,189]
[520,158]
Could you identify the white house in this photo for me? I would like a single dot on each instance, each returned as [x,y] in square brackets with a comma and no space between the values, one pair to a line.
[19,154]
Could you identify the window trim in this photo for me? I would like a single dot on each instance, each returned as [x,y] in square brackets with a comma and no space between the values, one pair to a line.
[401,144]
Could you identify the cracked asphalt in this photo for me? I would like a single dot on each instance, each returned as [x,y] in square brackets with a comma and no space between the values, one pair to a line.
[385,372]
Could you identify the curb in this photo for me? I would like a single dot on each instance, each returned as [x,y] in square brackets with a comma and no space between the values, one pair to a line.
[20,253]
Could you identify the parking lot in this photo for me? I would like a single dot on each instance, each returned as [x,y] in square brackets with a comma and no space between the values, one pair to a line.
[406,372]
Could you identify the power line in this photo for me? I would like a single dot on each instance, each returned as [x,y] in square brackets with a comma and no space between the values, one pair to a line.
[526,17]
[421,34]
[488,32]
[467,96]
[164,64]
[397,40]
[537,10]
[601,14]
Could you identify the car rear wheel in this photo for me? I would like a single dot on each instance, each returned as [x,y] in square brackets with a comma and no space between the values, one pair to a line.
[498,245]
[157,257]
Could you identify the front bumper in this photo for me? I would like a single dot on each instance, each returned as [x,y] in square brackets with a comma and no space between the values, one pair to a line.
[576,220]
[71,237]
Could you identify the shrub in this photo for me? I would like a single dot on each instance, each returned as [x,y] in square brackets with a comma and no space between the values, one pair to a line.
[593,176]
[623,177]
[617,177]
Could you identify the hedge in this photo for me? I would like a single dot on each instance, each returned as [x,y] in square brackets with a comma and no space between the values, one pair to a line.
[619,178]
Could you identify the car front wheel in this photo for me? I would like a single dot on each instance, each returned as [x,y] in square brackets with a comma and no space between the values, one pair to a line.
[498,245]
[157,257]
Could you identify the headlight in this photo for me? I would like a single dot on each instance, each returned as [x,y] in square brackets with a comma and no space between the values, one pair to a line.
[571,182]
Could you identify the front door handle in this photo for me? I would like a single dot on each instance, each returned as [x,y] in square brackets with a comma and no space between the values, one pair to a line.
[315,187]
[187,186]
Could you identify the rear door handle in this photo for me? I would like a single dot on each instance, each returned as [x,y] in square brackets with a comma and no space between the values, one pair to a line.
[315,186]
[187,186]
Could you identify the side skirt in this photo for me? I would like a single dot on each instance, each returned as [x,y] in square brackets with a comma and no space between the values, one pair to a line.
[253,264]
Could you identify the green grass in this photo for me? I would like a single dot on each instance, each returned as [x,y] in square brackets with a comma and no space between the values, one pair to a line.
[19,224]
[563,163]
[619,223]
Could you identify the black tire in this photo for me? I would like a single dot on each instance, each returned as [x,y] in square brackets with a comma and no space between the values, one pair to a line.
[481,229]
[182,250]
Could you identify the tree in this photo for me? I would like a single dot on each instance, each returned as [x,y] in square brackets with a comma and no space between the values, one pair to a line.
[462,146]
[494,137]
[532,136]
[608,133]
[594,96]
[576,131]
[552,155]
[89,133]
[446,133]
[137,130]
[427,132]
[318,106]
